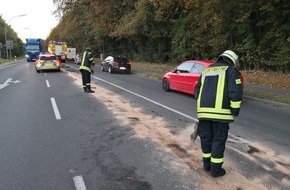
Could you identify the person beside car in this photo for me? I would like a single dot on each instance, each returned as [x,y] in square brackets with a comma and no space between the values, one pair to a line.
[219,96]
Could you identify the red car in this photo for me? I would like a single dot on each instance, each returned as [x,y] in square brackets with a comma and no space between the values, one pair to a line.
[185,76]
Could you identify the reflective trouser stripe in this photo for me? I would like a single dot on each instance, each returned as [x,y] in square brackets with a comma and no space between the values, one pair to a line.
[206,155]
[217,160]
[236,104]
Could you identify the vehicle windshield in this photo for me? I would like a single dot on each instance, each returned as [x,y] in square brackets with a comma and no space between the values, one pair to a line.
[32,47]
[48,57]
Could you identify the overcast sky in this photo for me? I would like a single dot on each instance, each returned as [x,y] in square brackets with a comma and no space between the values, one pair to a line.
[36,24]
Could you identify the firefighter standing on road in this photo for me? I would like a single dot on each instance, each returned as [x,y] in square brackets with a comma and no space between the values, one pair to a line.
[86,70]
[219,97]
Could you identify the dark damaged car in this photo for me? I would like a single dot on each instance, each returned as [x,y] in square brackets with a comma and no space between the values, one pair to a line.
[116,64]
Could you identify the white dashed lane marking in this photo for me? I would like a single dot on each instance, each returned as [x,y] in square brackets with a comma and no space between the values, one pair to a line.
[55,109]
[79,183]
[47,83]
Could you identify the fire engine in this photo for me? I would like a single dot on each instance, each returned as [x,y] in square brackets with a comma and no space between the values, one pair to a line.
[59,49]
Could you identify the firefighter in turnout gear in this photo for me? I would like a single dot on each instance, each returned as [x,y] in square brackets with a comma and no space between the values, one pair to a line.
[86,70]
[219,96]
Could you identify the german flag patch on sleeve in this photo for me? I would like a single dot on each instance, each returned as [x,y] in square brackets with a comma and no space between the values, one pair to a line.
[238,81]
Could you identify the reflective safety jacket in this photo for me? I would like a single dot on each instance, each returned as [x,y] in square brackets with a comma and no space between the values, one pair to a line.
[87,61]
[219,93]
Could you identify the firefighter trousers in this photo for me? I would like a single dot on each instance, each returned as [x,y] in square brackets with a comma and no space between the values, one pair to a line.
[86,78]
[213,137]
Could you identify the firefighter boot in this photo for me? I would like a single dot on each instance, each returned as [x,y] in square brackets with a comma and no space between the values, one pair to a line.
[85,89]
[217,170]
[206,164]
[89,90]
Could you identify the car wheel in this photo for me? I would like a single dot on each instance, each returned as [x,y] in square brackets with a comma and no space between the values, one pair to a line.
[110,70]
[129,71]
[165,85]
[102,68]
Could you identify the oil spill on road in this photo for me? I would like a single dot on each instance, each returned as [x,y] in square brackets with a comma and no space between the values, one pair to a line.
[253,150]
[144,126]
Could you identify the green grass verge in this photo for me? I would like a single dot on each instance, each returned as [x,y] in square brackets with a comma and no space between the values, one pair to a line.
[153,70]
[3,60]
[268,96]
[10,60]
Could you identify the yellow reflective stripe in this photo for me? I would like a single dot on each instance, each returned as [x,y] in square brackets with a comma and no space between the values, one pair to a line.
[236,104]
[83,59]
[217,160]
[200,92]
[91,59]
[206,155]
[85,68]
[215,116]
[220,91]
[213,110]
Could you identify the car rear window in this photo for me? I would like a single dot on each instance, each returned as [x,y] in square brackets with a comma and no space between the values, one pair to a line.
[48,57]
[121,60]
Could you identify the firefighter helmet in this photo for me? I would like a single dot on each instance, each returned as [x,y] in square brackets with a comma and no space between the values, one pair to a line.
[89,49]
[232,56]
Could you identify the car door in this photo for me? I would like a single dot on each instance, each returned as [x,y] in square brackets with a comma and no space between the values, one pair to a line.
[179,79]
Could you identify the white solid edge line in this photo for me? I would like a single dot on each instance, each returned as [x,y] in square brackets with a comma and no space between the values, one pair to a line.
[79,183]
[6,66]
[47,83]
[55,109]
[152,101]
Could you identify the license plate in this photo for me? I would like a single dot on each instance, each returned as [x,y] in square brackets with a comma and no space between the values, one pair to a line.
[122,68]
[49,65]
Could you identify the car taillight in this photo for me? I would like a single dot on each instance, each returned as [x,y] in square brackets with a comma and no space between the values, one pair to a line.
[56,62]
[115,63]
[129,62]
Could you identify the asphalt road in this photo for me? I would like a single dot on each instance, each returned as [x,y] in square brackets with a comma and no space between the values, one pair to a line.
[263,121]
[54,136]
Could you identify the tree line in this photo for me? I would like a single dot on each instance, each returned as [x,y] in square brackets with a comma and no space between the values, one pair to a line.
[176,30]
[11,35]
